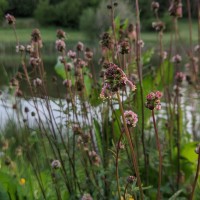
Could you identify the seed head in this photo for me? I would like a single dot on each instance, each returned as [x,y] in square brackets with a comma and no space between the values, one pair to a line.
[107,41]
[124,47]
[55,164]
[36,35]
[71,54]
[20,48]
[131,179]
[88,54]
[60,45]
[10,19]
[115,79]
[60,34]
[180,76]
[175,8]
[86,197]
[155,6]
[80,46]
[158,26]
[94,158]
[37,82]
[176,59]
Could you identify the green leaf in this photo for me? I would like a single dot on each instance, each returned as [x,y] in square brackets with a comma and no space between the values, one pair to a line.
[174,196]
[3,193]
[188,152]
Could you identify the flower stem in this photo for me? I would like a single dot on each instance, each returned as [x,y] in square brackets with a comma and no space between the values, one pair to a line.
[133,154]
[160,156]
[196,178]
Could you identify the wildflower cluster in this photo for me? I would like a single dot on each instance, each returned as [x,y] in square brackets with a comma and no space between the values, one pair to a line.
[115,79]
[153,100]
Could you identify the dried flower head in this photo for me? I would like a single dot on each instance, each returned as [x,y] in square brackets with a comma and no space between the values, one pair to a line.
[176,59]
[107,41]
[68,66]
[10,19]
[34,61]
[88,54]
[158,26]
[60,45]
[20,48]
[29,48]
[67,83]
[80,46]
[131,179]
[71,54]
[180,76]
[197,48]
[131,118]
[164,55]
[155,6]
[141,43]
[60,34]
[175,8]
[86,197]
[120,145]
[37,82]
[55,164]
[115,79]
[36,35]
[131,33]
[124,47]
[153,100]
[94,158]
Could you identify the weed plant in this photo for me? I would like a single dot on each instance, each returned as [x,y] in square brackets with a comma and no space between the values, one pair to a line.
[122,134]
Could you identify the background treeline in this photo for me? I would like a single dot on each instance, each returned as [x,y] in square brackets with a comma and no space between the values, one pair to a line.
[85,14]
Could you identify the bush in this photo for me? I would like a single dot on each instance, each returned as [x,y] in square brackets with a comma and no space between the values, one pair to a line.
[45,13]
[97,21]
[68,13]
[3,6]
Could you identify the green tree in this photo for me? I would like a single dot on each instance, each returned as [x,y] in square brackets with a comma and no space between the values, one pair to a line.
[45,13]
[3,7]
[22,8]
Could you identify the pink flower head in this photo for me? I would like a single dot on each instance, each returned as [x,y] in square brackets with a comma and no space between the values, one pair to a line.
[177,58]
[10,19]
[131,118]
[151,96]
[158,94]
[60,45]
[115,79]
[71,54]
[153,100]
[180,76]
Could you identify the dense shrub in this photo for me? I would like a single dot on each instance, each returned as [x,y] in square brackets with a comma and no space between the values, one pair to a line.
[22,8]
[3,6]
[95,22]
[45,13]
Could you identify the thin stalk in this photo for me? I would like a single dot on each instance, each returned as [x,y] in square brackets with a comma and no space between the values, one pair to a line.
[178,138]
[160,156]
[139,69]
[196,177]
[133,154]
[117,165]
[125,191]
